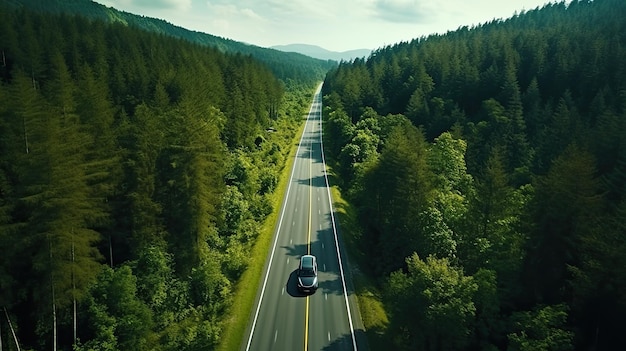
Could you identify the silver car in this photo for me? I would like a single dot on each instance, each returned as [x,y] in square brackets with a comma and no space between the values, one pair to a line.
[307,274]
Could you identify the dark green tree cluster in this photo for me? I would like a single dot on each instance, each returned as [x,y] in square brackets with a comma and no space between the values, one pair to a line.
[285,65]
[487,166]
[135,169]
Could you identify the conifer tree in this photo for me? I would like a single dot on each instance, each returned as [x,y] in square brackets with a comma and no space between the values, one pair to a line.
[402,188]
[565,204]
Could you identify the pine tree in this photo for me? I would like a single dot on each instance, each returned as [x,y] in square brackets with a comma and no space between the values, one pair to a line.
[103,170]
[401,184]
[190,172]
[62,210]
[567,199]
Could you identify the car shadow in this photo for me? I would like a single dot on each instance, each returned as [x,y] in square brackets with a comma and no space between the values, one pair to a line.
[292,286]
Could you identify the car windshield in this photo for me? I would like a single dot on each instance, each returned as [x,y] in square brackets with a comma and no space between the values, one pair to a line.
[307,273]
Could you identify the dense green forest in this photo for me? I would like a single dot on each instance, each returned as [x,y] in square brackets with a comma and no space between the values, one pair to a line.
[285,65]
[135,172]
[488,169]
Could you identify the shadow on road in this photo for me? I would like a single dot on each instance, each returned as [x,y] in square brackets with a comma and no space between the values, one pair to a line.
[316,182]
[344,342]
[331,286]
[296,251]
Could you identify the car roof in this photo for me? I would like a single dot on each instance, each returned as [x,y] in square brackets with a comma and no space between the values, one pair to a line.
[306,261]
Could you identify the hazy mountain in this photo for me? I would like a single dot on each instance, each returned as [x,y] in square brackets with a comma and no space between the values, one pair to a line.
[323,54]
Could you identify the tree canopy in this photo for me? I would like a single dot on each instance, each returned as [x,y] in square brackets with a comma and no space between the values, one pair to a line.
[497,153]
[135,170]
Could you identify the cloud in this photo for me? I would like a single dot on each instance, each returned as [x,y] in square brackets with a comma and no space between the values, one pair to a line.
[165,4]
[403,11]
[232,19]
[149,4]
[224,11]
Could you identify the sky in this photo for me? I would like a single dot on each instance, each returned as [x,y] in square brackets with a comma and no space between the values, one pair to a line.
[336,25]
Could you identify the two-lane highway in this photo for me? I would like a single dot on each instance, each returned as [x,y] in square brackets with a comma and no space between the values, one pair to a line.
[283,318]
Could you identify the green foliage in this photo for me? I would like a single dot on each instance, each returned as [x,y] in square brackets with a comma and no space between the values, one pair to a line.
[565,207]
[154,274]
[149,151]
[447,161]
[285,65]
[488,324]
[432,305]
[541,329]
[518,179]
[437,238]
[401,190]
[117,318]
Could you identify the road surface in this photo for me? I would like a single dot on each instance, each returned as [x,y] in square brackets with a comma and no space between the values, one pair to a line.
[282,318]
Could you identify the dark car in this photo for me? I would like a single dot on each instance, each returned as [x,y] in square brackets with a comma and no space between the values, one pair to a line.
[307,274]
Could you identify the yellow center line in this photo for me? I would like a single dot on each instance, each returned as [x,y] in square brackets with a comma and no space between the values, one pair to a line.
[306,326]
[308,244]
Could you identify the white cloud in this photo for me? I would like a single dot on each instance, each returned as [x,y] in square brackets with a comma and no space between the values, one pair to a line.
[165,4]
[249,13]
[404,11]
[223,15]
[138,5]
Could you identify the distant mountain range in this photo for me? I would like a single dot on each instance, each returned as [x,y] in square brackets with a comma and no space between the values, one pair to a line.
[323,54]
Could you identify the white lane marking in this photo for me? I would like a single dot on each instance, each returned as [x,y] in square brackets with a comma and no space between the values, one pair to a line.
[287,260]
[319,212]
[332,218]
[280,222]
[283,291]
[290,241]
[326,296]
[275,335]
[322,245]
[328,337]
[293,223]
[324,267]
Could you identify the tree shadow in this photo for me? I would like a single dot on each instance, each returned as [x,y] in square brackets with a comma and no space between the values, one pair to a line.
[344,342]
[330,286]
[296,250]
[316,182]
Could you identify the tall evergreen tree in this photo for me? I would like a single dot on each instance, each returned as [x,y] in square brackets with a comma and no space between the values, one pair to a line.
[403,189]
[565,204]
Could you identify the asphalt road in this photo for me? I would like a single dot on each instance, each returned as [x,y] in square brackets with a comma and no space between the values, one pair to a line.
[284,319]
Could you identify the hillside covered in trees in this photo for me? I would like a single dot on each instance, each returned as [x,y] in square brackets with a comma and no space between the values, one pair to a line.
[285,65]
[135,170]
[488,169]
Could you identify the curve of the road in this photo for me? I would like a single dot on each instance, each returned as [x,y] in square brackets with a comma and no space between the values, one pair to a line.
[284,319]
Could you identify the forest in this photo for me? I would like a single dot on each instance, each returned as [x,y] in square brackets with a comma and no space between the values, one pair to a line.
[285,65]
[135,173]
[487,168]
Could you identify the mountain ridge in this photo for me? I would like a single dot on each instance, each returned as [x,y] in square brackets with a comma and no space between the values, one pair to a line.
[286,65]
[321,53]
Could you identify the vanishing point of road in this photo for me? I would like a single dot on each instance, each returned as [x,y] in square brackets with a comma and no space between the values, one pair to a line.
[282,318]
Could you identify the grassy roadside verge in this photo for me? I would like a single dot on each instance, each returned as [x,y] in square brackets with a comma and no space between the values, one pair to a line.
[368,294]
[244,297]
